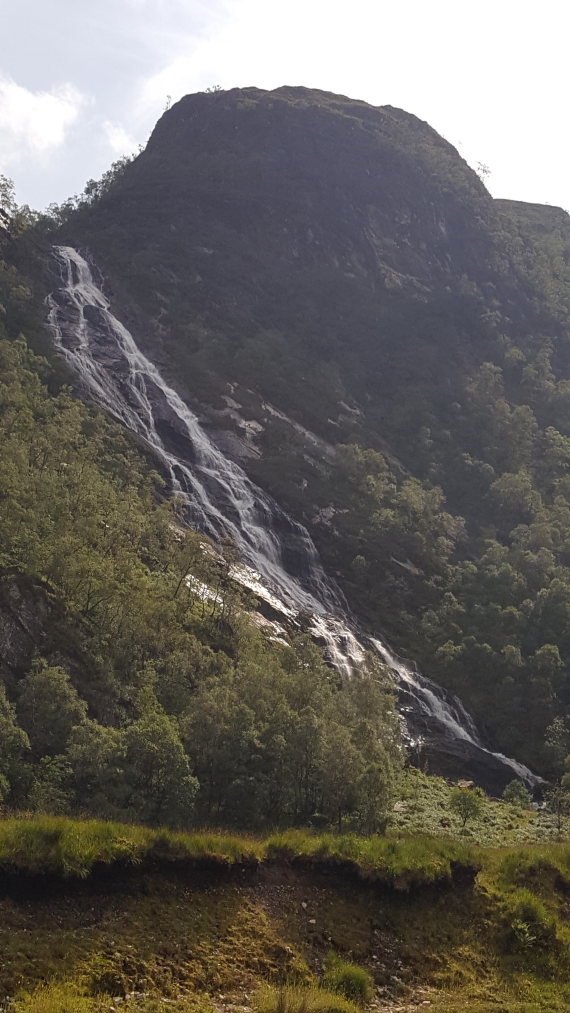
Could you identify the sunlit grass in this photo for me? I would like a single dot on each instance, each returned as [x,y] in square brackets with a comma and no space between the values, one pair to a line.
[66,847]
[297,999]
[402,862]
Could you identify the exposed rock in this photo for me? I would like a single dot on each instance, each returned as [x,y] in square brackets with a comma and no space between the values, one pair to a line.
[24,610]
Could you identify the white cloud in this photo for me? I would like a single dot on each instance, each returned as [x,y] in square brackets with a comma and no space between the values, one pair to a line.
[35,122]
[118,139]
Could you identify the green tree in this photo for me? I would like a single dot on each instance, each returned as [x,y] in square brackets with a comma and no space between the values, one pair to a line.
[516,793]
[467,803]
[96,757]
[51,788]
[159,787]
[558,801]
[48,708]
[14,745]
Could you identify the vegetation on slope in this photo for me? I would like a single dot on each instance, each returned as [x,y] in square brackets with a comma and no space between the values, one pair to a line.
[127,693]
[346,264]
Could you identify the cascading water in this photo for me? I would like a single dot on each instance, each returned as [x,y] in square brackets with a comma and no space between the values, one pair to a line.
[281,562]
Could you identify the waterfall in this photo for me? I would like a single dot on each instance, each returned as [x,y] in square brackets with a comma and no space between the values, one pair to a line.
[280,560]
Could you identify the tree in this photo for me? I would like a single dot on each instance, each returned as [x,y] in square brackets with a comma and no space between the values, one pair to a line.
[467,803]
[48,708]
[558,801]
[557,744]
[14,745]
[8,203]
[516,793]
[96,756]
[159,786]
[50,791]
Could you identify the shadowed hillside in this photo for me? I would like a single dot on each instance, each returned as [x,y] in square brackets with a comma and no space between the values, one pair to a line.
[386,350]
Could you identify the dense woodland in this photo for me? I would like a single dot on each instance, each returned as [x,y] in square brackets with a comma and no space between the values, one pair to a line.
[143,699]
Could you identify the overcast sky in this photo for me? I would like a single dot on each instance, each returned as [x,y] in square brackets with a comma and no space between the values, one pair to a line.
[82,82]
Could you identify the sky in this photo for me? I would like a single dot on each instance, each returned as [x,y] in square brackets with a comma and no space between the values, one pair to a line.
[82,82]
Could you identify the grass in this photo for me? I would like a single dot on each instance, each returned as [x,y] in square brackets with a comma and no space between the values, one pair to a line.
[66,997]
[402,863]
[423,807]
[477,929]
[210,944]
[73,848]
[351,980]
[296,999]
[66,847]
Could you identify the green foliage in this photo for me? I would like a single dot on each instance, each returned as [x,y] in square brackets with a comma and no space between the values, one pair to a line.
[153,702]
[558,801]
[49,708]
[297,999]
[14,743]
[351,980]
[529,926]
[467,803]
[516,793]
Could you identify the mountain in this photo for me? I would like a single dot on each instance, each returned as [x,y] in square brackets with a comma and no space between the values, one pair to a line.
[385,348]
[300,322]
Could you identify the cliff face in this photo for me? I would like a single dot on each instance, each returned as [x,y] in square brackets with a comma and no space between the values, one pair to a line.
[312,272]
[325,220]
[262,237]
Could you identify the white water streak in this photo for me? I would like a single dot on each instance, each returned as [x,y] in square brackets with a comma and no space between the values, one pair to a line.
[221,498]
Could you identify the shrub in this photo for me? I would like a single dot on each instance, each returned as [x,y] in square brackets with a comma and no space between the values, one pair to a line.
[516,793]
[351,980]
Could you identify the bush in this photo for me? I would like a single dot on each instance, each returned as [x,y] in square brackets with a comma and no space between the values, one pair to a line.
[351,980]
[291,999]
[516,793]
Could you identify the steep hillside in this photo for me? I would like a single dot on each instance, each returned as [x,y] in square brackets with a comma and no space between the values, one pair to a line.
[387,350]
[136,680]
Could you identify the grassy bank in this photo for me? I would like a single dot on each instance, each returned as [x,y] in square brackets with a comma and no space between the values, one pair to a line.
[427,920]
[73,848]
[196,942]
